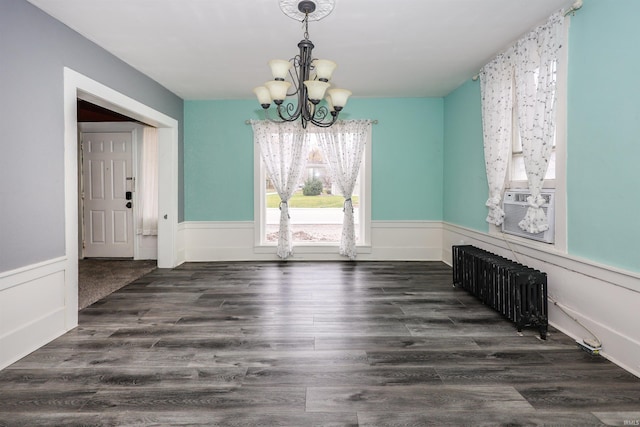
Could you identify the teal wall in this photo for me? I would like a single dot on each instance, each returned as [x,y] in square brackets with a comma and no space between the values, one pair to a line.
[407,155]
[218,160]
[603,154]
[603,139]
[465,179]
[407,158]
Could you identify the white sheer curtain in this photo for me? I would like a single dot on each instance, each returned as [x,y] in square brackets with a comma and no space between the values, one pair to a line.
[284,149]
[496,88]
[149,183]
[343,145]
[535,61]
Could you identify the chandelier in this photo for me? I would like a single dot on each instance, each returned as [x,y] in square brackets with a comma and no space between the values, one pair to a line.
[308,76]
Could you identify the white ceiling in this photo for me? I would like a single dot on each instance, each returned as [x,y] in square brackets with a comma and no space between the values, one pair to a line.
[218,49]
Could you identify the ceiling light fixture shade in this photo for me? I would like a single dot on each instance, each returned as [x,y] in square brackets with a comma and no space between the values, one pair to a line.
[278,89]
[309,90]
[316,90]
[339,98]
[324,69]
[264,97]
[279,68]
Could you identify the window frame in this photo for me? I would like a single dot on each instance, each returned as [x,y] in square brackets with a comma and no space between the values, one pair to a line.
[559,183]
[364,211]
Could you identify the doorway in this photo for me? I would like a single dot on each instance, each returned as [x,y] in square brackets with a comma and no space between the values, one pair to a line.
[110,158]
[78,86]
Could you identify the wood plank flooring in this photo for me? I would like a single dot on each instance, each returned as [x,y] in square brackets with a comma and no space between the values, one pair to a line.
[309,344]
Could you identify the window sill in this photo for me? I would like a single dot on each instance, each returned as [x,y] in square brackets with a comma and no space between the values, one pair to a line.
[310,248]
[548,183]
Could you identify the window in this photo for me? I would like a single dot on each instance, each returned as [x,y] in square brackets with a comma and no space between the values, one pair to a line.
[517,176]
[529,70]
[316,220]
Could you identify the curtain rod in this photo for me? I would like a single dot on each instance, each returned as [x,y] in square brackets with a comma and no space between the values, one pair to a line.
[572,10]
[375,122]
[575,6]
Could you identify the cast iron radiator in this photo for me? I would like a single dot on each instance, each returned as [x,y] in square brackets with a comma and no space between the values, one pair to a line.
[516,291]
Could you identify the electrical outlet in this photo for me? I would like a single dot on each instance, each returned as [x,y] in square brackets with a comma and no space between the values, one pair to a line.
[592,342]
[594,351]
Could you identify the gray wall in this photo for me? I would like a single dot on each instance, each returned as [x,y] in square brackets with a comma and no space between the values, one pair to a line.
[34,49]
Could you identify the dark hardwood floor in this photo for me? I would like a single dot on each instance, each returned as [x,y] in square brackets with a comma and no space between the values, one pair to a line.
[309,344]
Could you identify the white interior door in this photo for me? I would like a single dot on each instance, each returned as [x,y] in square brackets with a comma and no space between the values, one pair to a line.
[107,178]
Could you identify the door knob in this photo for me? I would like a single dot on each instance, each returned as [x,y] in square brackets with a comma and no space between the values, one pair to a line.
[129,205]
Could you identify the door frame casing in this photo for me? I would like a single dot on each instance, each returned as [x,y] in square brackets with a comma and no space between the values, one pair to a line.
[77,86]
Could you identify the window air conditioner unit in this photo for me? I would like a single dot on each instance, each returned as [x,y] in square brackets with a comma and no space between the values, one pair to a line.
[515,208]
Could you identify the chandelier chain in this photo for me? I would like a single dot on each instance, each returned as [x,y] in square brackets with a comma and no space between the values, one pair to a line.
[305,23]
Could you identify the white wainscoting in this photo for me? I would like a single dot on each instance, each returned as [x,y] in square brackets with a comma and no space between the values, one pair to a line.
[33,303]
[405,241]
[146,247]
[603,298]
[234,241]
[180,243]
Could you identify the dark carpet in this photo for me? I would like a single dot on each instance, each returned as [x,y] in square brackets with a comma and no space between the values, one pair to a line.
[99,277]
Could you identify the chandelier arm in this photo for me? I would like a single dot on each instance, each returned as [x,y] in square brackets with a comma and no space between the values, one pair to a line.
[324,124]
[319,121]
[286,112]
[294,78]
[319,114]
[268,117]
[307,113]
